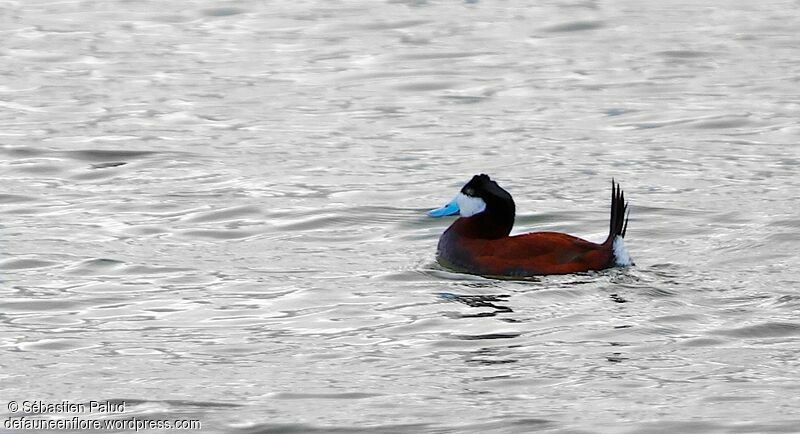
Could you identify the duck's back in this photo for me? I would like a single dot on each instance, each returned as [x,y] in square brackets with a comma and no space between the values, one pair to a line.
[536,253]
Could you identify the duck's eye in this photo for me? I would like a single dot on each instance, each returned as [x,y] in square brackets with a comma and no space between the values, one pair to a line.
[469,192]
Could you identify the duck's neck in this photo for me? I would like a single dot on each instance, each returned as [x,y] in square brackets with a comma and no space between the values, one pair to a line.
[486,225]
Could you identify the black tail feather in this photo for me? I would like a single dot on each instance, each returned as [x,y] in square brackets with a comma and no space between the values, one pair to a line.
[625,226]
[619,213]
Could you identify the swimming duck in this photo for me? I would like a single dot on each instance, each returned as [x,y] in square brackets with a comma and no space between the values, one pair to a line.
[479,243]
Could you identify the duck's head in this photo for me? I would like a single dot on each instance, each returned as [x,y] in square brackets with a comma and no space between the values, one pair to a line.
[484,201]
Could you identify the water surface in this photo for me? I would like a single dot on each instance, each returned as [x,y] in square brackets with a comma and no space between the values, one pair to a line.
[215,211]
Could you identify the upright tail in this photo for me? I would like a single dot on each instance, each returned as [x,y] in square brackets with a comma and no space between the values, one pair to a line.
[619,213]
[618,226]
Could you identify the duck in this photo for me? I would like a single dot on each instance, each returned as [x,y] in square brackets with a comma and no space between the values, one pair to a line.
[478,241]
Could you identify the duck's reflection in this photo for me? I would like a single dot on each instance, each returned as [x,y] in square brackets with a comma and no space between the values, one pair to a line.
[480,301]
[497,348]
[616,298]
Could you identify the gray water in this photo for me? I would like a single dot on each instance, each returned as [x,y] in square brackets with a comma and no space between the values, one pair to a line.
[215,211]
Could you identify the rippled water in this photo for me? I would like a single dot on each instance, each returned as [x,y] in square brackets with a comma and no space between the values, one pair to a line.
[216,211]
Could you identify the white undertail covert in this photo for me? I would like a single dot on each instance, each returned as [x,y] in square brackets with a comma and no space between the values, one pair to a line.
[621,256]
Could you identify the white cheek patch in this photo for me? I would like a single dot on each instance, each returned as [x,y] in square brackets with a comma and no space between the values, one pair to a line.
[469,206]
